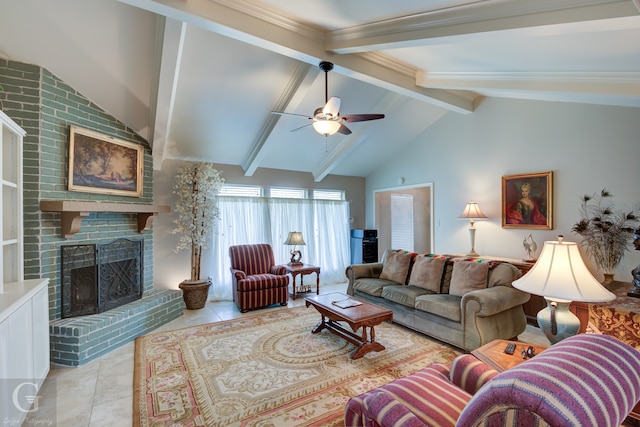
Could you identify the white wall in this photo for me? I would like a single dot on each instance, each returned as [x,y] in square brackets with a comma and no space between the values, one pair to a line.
[587,147]
[170,268]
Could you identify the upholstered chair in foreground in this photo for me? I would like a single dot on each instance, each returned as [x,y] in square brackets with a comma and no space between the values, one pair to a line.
[257,282]
[584,380]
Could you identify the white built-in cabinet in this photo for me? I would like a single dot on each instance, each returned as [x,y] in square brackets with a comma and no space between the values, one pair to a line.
[12,266]
[24,304]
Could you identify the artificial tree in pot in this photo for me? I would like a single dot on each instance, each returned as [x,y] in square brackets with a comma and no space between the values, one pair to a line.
[197,185]
[606,234]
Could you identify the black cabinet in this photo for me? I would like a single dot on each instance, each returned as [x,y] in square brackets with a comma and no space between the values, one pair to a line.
[364,246]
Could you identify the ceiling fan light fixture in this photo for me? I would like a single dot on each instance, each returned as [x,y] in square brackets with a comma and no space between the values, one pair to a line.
[326,127]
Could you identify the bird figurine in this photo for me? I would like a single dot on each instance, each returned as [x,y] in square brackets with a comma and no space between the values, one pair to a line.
[530,247]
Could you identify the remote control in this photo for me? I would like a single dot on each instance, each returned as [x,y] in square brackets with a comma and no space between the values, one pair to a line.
[510,348]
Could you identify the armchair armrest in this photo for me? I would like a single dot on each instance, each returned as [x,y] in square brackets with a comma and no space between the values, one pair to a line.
[386,411]
[279,270]
[238,274]
[469,373]
[490,301]
[356,271]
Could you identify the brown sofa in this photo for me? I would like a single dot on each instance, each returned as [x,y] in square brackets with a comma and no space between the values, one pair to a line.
[462,301]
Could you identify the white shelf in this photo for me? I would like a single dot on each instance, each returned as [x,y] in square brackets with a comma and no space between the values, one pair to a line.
[24,304]
[11,211]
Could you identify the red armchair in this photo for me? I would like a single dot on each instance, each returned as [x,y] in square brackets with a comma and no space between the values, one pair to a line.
[257,282]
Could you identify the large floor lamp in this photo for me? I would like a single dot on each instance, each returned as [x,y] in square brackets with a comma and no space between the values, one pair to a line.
[561,277]
[472,212]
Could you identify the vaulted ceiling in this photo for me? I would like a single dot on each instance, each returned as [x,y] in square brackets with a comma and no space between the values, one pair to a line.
[200,78]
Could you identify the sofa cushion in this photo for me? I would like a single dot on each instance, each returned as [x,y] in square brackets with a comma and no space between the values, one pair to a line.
[396,266]
[468,276]
[259,282]
[372,286]
[502,275]
[427,273]
[405,295]
[443,305]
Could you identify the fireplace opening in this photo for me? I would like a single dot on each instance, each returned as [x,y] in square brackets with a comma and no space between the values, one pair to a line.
[98,278]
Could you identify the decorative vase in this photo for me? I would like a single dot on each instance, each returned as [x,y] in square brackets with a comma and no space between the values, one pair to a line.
[195,293]
[608,278]
[557,315]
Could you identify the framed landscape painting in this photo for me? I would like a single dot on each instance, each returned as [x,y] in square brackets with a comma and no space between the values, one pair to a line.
[103,164]
[527,201]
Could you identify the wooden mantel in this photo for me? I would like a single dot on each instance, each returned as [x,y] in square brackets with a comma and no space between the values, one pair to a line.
[73,212]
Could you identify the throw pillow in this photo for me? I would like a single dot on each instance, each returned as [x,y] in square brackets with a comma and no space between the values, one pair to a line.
[502,275]
[426,273]
[396,266]
[468,276]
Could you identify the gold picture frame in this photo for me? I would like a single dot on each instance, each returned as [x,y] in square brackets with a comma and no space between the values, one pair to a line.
[102,164]
[527,201]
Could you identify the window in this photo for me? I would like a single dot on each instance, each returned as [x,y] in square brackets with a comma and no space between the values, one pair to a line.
[402,221]
[241,190]
[324,225]
[288,193]
[328,194]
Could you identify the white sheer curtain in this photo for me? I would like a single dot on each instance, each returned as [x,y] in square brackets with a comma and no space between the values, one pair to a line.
[332,239]
[244,220]
[291,215]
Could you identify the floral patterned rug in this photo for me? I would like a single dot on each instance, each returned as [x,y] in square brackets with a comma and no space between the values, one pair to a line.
[266,369]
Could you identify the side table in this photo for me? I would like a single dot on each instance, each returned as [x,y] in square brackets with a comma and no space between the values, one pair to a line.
[302,270]
[493,354]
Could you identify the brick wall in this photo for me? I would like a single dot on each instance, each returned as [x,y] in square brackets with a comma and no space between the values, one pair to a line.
[45,107]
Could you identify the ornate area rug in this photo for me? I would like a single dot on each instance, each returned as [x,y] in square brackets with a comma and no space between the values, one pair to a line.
[266,369]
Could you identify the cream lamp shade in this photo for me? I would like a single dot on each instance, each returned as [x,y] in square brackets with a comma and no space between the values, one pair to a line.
[326,127]
[294,239]
[561,276]
[472,212]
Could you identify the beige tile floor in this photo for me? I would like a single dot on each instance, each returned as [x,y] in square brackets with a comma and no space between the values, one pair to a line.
[100,393]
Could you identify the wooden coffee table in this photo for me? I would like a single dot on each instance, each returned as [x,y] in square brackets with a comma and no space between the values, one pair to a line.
[363,316]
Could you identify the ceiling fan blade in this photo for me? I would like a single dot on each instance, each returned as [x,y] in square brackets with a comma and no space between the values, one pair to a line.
[301,127]
[280,113]
[332,106]
[350,118]
[344,130]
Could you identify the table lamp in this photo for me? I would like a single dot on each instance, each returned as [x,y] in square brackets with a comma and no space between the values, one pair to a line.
[472,212]
[561,277]
[293,239]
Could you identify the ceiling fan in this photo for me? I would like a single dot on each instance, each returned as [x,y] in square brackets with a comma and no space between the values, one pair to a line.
[327,120]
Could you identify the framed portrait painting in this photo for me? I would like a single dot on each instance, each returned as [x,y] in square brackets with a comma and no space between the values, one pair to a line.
[527,201]
[103,164]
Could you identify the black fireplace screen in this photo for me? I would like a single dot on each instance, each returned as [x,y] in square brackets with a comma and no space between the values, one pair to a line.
[97,278]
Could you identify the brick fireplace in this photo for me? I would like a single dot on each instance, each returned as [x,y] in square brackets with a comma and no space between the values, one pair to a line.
[99,278]
[46,107]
